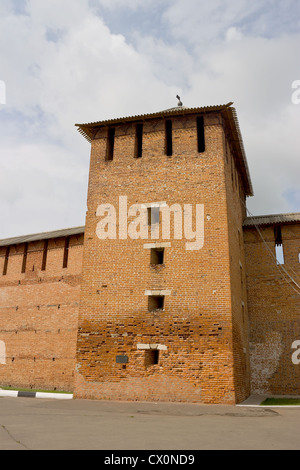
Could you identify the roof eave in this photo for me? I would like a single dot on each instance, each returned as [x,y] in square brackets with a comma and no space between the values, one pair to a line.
[89,130]
[272,219]
[230,116]
[42,236]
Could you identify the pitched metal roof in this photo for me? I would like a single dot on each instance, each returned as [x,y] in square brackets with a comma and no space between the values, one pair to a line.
[88,130]
[272,219]
[228,112]
[42,236]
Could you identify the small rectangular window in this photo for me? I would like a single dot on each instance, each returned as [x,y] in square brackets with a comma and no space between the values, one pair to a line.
[66,252]
[200,134]
[151,357]
[6,261]
[169,143]
[138,140]
[110,144]
[157,256]
[155,302]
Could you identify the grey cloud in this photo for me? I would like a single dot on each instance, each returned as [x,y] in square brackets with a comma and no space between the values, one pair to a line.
[65,65]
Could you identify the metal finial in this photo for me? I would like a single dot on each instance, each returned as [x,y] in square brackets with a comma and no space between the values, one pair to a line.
[179,102]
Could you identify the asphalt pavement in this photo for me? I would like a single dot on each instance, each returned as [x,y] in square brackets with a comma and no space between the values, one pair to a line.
[49,424]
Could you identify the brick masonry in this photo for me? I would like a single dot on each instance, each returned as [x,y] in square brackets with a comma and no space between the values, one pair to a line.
[274,310]
[39,314]
[201,319]
[228,320]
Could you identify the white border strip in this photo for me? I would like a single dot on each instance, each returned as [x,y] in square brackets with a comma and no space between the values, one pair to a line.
[57,396]
[15,393]
[8,393]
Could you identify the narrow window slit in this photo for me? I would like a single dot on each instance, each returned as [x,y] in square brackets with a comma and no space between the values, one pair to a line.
[110,144]
[45,250]
[169,143]
[66,252]
[139,141]
[24,258]
[278,236]
[6,261]
[200,134]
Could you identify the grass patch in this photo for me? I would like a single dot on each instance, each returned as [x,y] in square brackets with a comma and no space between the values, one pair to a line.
[33,390]
[281,402]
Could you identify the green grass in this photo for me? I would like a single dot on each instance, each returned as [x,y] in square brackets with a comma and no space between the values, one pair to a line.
[33,390]
[281,402]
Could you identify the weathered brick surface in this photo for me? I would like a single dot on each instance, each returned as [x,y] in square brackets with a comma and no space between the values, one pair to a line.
[274,310]
[230,317]
[202,316]
[236,214]
[39,314]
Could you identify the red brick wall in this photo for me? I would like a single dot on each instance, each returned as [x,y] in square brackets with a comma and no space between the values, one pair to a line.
[228,308]
[236,213]
[39,313]
[274,310]
[197,360]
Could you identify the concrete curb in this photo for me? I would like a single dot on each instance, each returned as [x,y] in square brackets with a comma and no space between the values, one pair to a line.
[255,401]
[16,393]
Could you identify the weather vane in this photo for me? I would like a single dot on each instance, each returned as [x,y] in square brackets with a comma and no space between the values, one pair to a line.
[179,102]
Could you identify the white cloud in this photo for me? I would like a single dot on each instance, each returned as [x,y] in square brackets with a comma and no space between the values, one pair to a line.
[41,187]
[274,165]
[83,74]
[207,22]
[62,64]
[233,34]
[125,4]
[202,23]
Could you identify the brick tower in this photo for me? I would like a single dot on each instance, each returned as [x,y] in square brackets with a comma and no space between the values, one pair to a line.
[163,315]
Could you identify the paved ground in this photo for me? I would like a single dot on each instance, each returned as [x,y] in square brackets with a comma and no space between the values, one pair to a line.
[47,424]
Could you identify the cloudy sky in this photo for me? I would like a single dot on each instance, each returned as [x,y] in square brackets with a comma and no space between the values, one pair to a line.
[73,61]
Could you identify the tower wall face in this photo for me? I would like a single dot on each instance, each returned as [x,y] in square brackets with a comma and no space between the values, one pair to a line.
[236,213]
[183,350]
